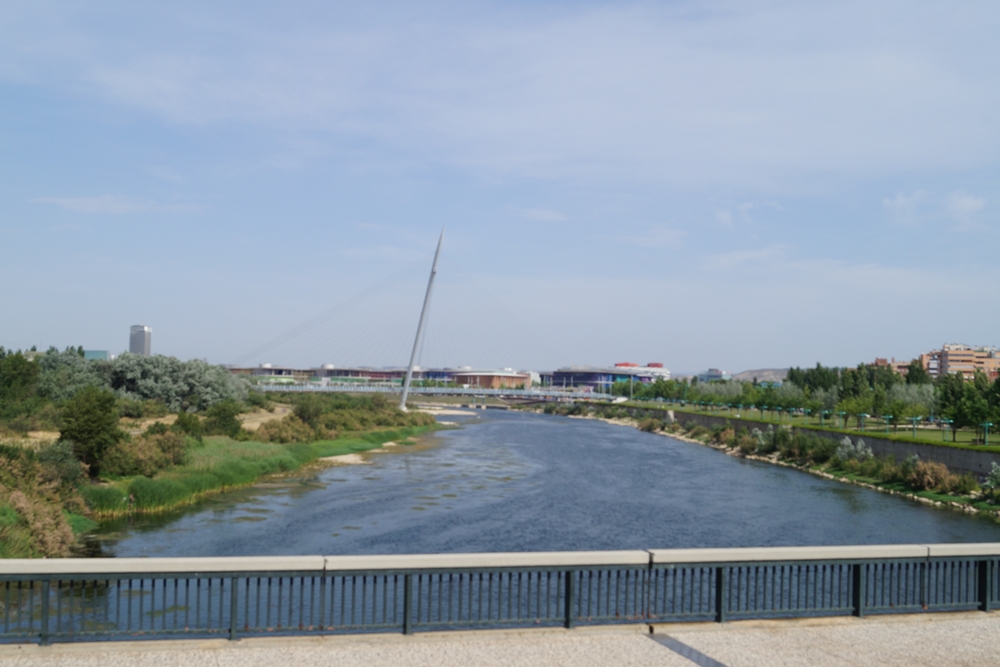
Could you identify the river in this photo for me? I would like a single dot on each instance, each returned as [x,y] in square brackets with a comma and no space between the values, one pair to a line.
[511,481]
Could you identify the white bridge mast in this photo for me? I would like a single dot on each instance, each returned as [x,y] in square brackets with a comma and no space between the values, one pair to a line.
[420,326]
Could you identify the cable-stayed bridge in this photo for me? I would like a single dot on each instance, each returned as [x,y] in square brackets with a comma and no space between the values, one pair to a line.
[461,331]
[538,394]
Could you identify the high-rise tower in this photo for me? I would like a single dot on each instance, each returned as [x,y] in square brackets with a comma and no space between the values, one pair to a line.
[140,339]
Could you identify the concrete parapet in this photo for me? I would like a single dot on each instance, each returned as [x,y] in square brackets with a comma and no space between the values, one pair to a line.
[161,565]
[487,560]
[481,561]
[755,554]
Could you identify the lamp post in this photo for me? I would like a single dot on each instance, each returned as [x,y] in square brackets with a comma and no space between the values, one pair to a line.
[914,420]
[886,419]
[862,417]
[807,412]
[986,432]
[843,419]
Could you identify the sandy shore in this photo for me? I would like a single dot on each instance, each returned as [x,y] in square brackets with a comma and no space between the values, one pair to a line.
[441,411]
[345,460]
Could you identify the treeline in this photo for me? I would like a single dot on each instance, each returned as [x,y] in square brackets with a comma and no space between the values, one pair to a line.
[34,387]
[853,393]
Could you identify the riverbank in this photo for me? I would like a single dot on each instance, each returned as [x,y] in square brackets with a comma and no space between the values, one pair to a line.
[970,503]
[221,464]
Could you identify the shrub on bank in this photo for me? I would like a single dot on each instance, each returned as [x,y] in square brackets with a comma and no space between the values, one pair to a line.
[145,455]
[650,425]
[290,429]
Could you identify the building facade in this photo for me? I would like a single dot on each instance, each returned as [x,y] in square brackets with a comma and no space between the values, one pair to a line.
[602,379]
[954,358]
[140,340]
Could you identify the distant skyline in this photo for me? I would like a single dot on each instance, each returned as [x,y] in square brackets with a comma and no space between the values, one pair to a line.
[701,184]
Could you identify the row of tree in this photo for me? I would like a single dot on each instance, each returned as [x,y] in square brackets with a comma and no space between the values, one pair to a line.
[865,390]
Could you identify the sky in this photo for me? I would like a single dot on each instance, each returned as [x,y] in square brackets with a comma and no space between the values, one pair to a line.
[709,184]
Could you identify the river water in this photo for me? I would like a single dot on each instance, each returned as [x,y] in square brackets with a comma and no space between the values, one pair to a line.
[509,481]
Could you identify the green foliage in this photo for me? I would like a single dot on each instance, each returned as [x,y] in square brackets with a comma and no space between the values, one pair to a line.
[222,419]
[815,378]
[916,374]
[18,385]
[180,385]
[60,463]
[650,425]
[188,424]
[90,422]
[289,429]
[145,455]
[309,407]
[257,399]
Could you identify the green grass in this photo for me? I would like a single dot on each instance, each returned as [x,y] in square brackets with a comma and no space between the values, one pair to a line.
[222,463]
[904,433]
[79,524]
[15,537]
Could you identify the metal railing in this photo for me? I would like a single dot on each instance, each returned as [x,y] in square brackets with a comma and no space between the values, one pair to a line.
[80,599]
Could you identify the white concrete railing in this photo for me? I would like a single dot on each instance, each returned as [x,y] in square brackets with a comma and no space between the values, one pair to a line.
[553,559]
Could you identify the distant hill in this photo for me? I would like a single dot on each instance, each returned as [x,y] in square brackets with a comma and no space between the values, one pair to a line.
[763,375]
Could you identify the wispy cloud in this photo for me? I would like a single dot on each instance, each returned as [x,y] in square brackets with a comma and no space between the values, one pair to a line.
[739,258]
[903,207]
[656,236]
[636,91]
[962,204]
[113,204]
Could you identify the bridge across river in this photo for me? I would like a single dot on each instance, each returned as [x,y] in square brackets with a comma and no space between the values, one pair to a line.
[365,388]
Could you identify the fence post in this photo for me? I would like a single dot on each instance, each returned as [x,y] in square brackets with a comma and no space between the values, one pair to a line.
[985,584]
[407,604]
[858,588]
[570,599]
[721,593]
[233,601]
[43,636]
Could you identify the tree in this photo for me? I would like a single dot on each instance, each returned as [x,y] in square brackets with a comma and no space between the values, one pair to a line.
[856,406]
[917,374]
[951,389]
[222,419]
[90,422]
[309,407]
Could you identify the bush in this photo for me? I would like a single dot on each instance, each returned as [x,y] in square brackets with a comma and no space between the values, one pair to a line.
[60,464]
[289,429]
[650,425]
[927,475]
[187,424]
[221,419]
[145,455]
[309,408]
[256,399]
[961,485]
[847,451]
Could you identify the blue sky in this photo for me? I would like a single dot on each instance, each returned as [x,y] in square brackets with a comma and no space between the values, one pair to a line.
[702,184]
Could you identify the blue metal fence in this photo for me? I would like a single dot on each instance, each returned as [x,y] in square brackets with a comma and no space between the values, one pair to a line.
[68,600]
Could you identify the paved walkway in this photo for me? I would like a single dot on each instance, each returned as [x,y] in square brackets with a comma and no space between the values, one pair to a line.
[934,640]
